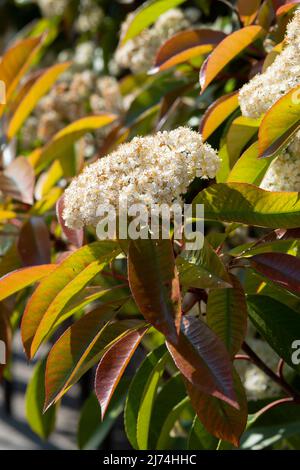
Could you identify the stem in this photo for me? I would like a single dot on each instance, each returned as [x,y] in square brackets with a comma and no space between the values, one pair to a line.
[276,378]
[274,404]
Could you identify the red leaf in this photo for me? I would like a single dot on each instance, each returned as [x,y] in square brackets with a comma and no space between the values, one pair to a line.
[17,181]
[74,236]
[248,10]
[203,360]
[112,366]
[186,45]
[154,284]
[279,267]
[219,418]
[34,243]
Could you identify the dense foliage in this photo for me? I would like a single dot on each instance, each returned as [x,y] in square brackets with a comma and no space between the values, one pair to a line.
[218,328]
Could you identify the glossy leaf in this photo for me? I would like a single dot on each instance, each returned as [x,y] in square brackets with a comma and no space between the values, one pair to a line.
[249,168]
[247,204]
[81,346]
[51,296]
[34,242]
[280,123]
[281,268]
[137,391]
[226,51]
[186,45]
[154,284]
[41,423]
[21,278]
[219,418]
[284,9]
[217,113]
[277,323]
[146,15]
[15,64]
[240,132]
[112,366]
[65,138]
[227,315]
[202,269]
[74,236]
[17,180]
[248,10]
[200,438]
[203,360]
[36,92]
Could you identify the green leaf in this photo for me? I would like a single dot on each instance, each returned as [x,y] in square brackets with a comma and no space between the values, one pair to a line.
[154,284]
[41,423]
[81,346]
[202,269]
[137,390]
[277,323]
[280,124]
[49,299]
[170,394]
[146,404]
[17,280]
[200,439]
[247,204]
[227,315]
[146,15]
[163,442]
[249,168]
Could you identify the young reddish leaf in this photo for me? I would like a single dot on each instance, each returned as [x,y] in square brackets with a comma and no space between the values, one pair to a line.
[226,51]
[48,300]
[248,204]
[21,278]
[217,113]
[185,45]
[15,64]
[74,236]
[17,181]
[248,10]
[284,9]
[279,267]
[81,346]
[279,124]
[112,366]
[203,360]
[34,242]
[219,418]
[36,92]
[154,284]
[5,338]
[227,315]
[66,137]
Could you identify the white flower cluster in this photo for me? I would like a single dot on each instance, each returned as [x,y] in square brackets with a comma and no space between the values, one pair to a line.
[52,8]
[155,169]
[90,17]
[138,53]
[73,97]
[284,172]
[257,96]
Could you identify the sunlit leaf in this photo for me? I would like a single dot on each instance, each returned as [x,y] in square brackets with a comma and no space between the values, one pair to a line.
[21,278]
[112,366]
[217,113]
[200,438]
[185,45]
[249,168]
[36,92]
[280,123]
[247,204]
[17,180]
[49,299]
[75,236]
[226,51]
